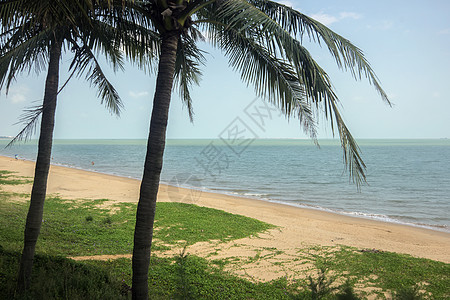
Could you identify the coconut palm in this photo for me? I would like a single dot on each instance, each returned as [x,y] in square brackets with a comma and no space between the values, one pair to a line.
[262,40]
[34,34]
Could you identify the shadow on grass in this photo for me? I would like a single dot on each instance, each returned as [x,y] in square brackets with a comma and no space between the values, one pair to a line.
[182,277]
[192,277]
[59,278]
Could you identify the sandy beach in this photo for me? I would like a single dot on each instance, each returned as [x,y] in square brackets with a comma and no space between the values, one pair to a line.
[297,227]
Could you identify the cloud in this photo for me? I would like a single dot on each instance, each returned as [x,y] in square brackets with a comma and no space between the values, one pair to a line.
[18,94]
[436,95]
[383,25]
[349,15]
[327,19]
[324,18]
[287,3]
[138,94]
[387,25]
[444,31]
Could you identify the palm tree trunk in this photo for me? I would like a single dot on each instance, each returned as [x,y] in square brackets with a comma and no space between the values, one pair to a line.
[36,209]
[145,215]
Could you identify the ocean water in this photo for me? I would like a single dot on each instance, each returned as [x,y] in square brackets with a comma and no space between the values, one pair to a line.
[408,180]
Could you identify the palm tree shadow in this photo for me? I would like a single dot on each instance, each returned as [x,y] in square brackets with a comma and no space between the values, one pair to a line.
[183,286]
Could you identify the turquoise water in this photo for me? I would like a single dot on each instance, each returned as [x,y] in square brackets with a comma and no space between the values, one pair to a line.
[408,180]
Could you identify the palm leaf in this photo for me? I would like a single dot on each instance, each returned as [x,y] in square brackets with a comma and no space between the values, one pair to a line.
[19,55]
[187,71]
[30,118]
[271,77]
[248,20]
[86,62]
[347,55]
[136,36]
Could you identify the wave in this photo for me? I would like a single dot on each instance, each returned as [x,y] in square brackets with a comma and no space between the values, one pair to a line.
[245,193]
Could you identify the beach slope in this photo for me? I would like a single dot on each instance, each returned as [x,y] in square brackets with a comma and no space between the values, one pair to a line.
[297,227]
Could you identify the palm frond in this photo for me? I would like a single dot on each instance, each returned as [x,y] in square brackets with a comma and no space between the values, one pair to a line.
[351,151]
[137,36]
[271,77]
[347,56]
[20,55]
[139,44]
[30,118]
[281,45]
[86,62]
[10,12]
[102,38]
[187,71]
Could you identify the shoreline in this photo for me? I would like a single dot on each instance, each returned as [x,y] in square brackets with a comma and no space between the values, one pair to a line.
[352,214]
[298,226]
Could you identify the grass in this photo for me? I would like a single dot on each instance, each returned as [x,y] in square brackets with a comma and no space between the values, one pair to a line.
[76,228]
[87,229]
[190,224]
[181,277]
[377,273]
[7,177]
[381,269]
[192,277]
[59,278]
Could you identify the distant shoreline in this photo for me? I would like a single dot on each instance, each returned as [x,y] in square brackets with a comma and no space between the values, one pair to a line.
[289,140]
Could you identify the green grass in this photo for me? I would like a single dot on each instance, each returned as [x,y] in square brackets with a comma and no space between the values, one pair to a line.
[180,277]
[188,224]
[7,177]
[86,229]
[192,277]
[75,228]
[59,278]
[392,271]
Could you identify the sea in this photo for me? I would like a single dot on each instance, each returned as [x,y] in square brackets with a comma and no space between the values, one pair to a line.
[408,181]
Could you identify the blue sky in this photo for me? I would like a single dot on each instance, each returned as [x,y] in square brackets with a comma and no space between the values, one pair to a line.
[406,42]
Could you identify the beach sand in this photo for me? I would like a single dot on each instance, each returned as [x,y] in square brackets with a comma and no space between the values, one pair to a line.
[298,228]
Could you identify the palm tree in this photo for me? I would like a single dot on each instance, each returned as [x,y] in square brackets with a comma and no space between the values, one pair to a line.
[262,40]
[34,33]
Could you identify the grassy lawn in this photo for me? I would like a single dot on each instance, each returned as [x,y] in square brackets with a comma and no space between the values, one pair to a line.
[82,227]
[77,228]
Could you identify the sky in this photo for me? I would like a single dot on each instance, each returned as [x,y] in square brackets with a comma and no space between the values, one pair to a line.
[407,43]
